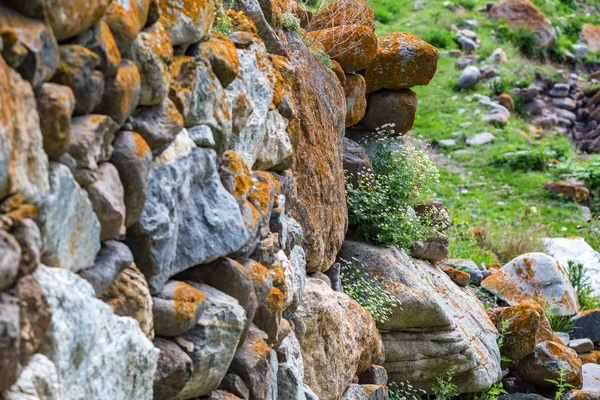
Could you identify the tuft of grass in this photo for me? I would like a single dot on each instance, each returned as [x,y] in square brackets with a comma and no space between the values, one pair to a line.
[578,276]
[440,38]
[558,323]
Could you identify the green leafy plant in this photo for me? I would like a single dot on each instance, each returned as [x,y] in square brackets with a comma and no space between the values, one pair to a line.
[503,332]
[580,280]
[290,22]
[367,291]
[561,385]
[405,391]
[324,57]
[558,323]
[444,389]
[223,22]
[495,391]
[380,203]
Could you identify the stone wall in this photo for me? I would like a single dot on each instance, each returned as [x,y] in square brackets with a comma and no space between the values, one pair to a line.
[170,194]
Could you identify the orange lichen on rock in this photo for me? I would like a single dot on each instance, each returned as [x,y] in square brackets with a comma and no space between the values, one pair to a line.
[593,357]
[186,299]
[262,192]
[353,46]
[570,190]
[220,51]
[461,278]
[275,300]
[355,89]
[402,61]
[343,12]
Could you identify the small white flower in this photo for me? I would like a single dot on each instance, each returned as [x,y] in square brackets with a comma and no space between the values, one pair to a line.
[533,210]
[563,229]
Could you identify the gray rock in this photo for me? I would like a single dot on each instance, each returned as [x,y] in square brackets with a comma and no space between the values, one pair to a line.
[177,308]
[537,277]
[581,51]
[100,40]
[565,103]
[10,258]
[158,124]
[480,139]
[466,60]
[468,77]
[578,250]
[298,263]
[291,369]
[467,266]
[436,326]
[133,160]
[526,94]
[566,114]
[42,50]
[310,395]
[187,24]
[355,392]
[355,160]
[76,343]
[375,375]
[209,106]
[23,163]
[202,135]
[433,249]
[233,384]
[498,56]
[78,71]
[112,258]
[211,344]
[564,336]
[107,197]
[591,377]
[38,381]
[189,218]
[467,45]
[254,83]
[275,154]
[546,120]
[535,106]
[121,93]
[581,346]
[333,273]
[10,340]
[586,326]
[69,227]
[447,143]
[91,140]
[126,18]
[173,371]
[496,117]
[30,239]
[152,52]
[560,90]
[55,105]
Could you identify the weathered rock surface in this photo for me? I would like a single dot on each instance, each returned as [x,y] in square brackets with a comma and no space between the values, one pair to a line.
[10,258]
[591,377]
[436,326]
[290,373]
[91,143]
[337,336]
[121,93]
[126,19]
[537,277]
[590,35]
[396,107]
[355,89]
[174,369]
[177,308]
[189,21]
[107,197]
[69,227]
[158,124]
[343,12]
[188,219]
[76,343]
[38,380]
[524,14]
[100,40]
[586,325]
[353,46]
[547,360]
[112,258]
[55,106]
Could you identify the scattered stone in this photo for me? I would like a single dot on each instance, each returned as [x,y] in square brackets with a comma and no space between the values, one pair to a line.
[480,139]
[467,45]
[547,361]
[448,143]
[396,107]
[469,77]
[465,61]
[468,266]
[564,103]
[537,277]
[55,106]
[581,50]
[177,308]
[581,346]
[498,56]
[560,90]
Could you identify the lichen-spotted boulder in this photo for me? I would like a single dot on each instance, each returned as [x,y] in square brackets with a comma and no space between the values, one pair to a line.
[402,61]
[590,35]
[355,89]
[524,14]
[436,326]
[187,21]
[537,277]
[126,18]
[337,336]
[547,362]
[343,12]
[353,46]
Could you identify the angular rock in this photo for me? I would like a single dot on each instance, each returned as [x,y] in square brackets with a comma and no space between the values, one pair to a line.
[78,71]
[177,308]
[564,103]
[126,19]
[121,93]
[581,346]
[338,339]
[480,139]
[10,258]
[468,77]
[537,277]
[374,375]
[187,22]
[91,140]
[183,83]
[355,90]
[343,12]
[23,163]
[590,35]
[107,197]
[524,14]
[10,340]
[235,385]
[436,325]
[42,57]
[38,380]
[582,395]
[525,327]
[433,249]
[100,40]
[560,90]
[591,377]
[112,258]
[173,371]
[586,325]
[152,52]
[355,392]
[123,369]
[290,373]
[29,237]
[396,107]
[547,360]
[496,117]
[353,46]
[276,152]
[69,227]
[355,160]
[220,51]
[158,124]
[55,106]
[188,219]
[403,61]
[235,175]
[212,343]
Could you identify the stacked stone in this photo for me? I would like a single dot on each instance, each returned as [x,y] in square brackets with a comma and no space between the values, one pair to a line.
[586,130]
[158,211]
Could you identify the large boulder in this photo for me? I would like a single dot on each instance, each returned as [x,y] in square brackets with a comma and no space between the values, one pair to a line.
[436,326]
[548,361]
[524,14]
[402,61]
[343,12]
[537,277]
[586,325]
[189,218]
[96,353]
[23,163]
[590,35]
[397,107]
[338,338]
[321,204]
[578,250]
[353,46]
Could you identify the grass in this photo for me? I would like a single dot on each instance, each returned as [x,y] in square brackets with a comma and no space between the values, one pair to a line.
[579,278]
